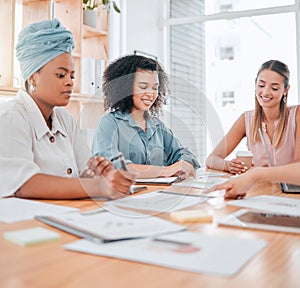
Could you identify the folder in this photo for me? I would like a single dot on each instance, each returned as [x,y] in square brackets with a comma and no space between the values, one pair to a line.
[157,181]
[101,226]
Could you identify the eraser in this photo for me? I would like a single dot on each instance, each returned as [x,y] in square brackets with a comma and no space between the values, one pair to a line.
[32,236]
[198,215]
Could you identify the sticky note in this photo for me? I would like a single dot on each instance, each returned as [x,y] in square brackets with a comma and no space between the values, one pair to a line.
[32,236]
[198,215]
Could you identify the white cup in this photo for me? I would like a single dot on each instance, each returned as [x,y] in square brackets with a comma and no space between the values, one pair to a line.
[246,157]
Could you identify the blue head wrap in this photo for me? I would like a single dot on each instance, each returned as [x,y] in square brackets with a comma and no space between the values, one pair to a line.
[41,42]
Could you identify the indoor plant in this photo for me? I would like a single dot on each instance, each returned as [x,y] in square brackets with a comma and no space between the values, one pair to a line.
[94,4]
[90,10]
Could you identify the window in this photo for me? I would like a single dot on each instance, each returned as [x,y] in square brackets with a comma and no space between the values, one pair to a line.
[222,44]
[187,68]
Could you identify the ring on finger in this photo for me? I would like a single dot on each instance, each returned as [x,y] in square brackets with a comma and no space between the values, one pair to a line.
[90,172]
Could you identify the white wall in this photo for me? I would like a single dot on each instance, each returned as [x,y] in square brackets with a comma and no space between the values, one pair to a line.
[143,32]
[139,28]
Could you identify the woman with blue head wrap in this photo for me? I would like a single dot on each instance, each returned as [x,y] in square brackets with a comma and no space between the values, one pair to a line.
[43,154]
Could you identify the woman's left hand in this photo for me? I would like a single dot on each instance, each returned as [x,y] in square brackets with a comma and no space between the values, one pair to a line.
[98,165]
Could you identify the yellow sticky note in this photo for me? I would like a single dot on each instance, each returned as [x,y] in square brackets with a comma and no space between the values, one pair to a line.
[32,236]
[198,215]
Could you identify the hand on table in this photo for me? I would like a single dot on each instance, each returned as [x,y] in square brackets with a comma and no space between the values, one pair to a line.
[182,169]
[236,188]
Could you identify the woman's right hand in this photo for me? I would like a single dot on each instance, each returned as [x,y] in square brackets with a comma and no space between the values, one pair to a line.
[120,180]
[116,184]
[182,169]
[237,188]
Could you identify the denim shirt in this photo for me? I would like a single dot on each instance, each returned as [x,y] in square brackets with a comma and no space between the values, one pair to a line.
[118,132]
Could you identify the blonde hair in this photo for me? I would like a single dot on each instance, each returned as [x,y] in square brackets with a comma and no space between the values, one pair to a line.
[259,116]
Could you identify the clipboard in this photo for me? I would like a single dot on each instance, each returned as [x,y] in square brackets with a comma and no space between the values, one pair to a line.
[158,181]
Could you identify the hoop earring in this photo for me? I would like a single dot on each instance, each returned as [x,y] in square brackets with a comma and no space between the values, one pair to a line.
[31,88]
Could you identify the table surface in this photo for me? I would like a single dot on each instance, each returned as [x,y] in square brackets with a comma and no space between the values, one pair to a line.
[49,265]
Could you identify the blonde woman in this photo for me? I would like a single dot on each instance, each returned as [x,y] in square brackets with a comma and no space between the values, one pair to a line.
[280,124]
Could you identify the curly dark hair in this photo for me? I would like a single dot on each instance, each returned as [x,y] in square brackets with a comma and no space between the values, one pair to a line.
[118,80]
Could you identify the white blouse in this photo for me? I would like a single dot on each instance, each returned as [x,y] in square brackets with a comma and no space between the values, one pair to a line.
[28,146]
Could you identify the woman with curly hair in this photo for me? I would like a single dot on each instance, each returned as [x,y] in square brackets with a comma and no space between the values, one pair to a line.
[135,89]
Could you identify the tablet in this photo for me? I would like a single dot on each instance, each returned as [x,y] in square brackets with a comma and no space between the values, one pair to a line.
[262,220]
[289,188]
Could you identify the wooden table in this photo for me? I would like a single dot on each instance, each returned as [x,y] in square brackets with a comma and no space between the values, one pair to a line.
[49,265]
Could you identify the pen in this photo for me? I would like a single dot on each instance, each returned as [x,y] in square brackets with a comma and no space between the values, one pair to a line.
[190,195]
[123,166]
[91,212]
[171,241]
[122,161]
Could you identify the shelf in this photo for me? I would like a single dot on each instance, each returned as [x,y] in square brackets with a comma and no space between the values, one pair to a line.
[8,90]
[76,54]
[89,43]
[25,2]
[89,32]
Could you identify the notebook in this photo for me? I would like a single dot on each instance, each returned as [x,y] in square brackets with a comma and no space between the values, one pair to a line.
[285,187]
[101,226]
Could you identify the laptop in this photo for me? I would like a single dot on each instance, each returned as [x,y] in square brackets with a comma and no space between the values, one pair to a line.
[285,187]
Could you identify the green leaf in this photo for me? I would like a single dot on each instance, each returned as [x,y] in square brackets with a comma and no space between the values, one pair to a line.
[116,7]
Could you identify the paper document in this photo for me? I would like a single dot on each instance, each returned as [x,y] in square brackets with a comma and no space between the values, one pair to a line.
[101,224]
[201,183]
[15,209]
[188,251]
[160,201]
[276,204]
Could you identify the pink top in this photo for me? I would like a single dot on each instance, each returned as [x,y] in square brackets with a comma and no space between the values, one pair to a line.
[281,155]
